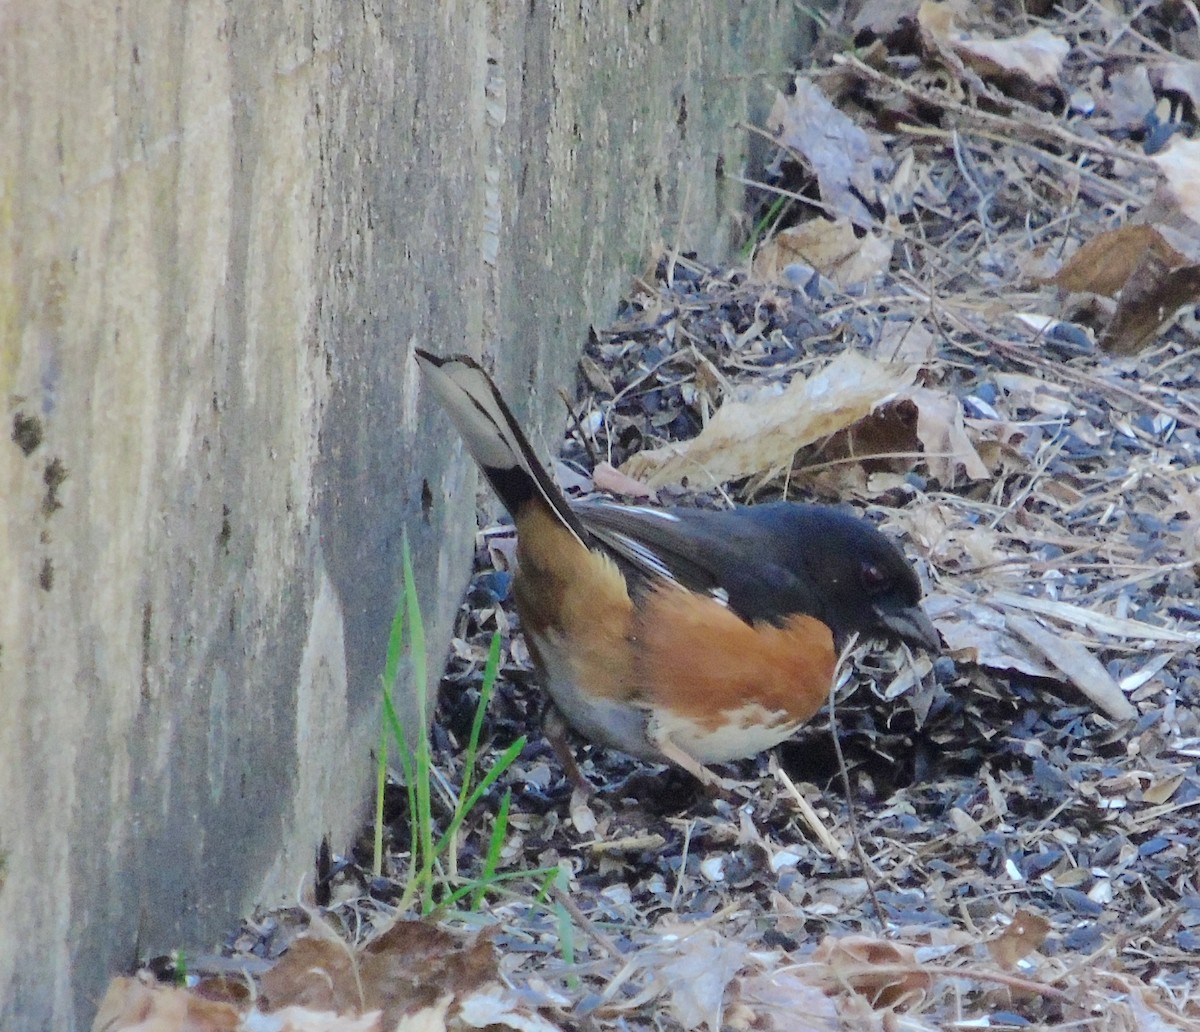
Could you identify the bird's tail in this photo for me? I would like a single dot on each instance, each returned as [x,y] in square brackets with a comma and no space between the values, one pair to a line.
[493,437]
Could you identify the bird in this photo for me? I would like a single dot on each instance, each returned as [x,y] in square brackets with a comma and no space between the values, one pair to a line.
[678,635]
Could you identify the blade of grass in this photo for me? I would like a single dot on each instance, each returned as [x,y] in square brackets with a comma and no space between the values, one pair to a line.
[566,928]
[381,764]
[473,885]
[391,668]
[395,647]
[430,863]
[408,764]
[503,762]
[490,670]
[761,228]
[423,832]
[495,847]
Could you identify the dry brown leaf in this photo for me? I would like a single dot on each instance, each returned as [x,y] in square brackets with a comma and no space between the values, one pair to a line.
[1150,299]
[905,341]
[498,1010]
[581,812]
[883,440]
[1154,280]
[1181,76]
[1077,664]
[413,973]
[414,964]
[883,18]
[919,419]
[1025,933]
[1180,167]
[1028,62]
[131,1005]
[944,437]
[1094,620]
[763,434]
[1128,98]
[1025,391]
[1159,792]
[936,21]
[779,1000]
[1105,263]
[843,155]
[697,970]
[885,973]
[1146,1010]
[1038,55]
[975,633]
[829,247]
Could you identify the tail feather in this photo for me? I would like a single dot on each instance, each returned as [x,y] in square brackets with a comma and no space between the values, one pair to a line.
[493,437]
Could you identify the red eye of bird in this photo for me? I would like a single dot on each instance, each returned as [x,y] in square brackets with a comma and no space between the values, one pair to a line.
[873,578]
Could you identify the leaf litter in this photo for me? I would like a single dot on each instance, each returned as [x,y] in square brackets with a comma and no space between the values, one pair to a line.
[970,315]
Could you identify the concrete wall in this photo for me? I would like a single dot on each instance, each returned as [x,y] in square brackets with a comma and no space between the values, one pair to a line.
[222,227]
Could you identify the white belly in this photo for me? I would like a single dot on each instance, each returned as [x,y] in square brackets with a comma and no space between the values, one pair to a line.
[746,731]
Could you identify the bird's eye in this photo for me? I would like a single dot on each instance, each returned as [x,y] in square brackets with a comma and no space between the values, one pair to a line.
[873,578]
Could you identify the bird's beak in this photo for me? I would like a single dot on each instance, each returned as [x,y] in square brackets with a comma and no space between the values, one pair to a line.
[913,626]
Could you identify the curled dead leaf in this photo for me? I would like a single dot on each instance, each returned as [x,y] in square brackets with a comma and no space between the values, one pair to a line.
[1037,55]
[316,973]
[1104,264]
[1180,167]
[764,433]
[608,478]
[1153,278]
[1077,664]
[1025,933]
[832,248]
[844,156]
[944,437]
[698,968]
[887,974]
[1150,299]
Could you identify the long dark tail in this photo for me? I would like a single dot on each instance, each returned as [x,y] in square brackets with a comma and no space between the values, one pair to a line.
[493,437]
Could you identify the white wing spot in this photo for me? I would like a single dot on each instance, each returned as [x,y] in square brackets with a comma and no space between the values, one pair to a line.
[642,555]
[645,510]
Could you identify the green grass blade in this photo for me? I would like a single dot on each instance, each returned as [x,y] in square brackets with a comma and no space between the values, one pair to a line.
[472,886]
[391,670]
[763,226]
[503,762]
[380,785]
[420,673]
[395,647]
[495,848]
[408,763]
[487,686]
[566,929]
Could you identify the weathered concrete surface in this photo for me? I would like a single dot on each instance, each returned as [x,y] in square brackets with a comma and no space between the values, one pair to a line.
[222,227]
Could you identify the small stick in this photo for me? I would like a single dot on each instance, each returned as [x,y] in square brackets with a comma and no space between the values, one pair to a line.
[809,815]
[564,900]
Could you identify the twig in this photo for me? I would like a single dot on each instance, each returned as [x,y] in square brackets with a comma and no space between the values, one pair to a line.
[683,859]
[586,923]
[1010,126]
[814,822]
[874,971]
[593,462]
